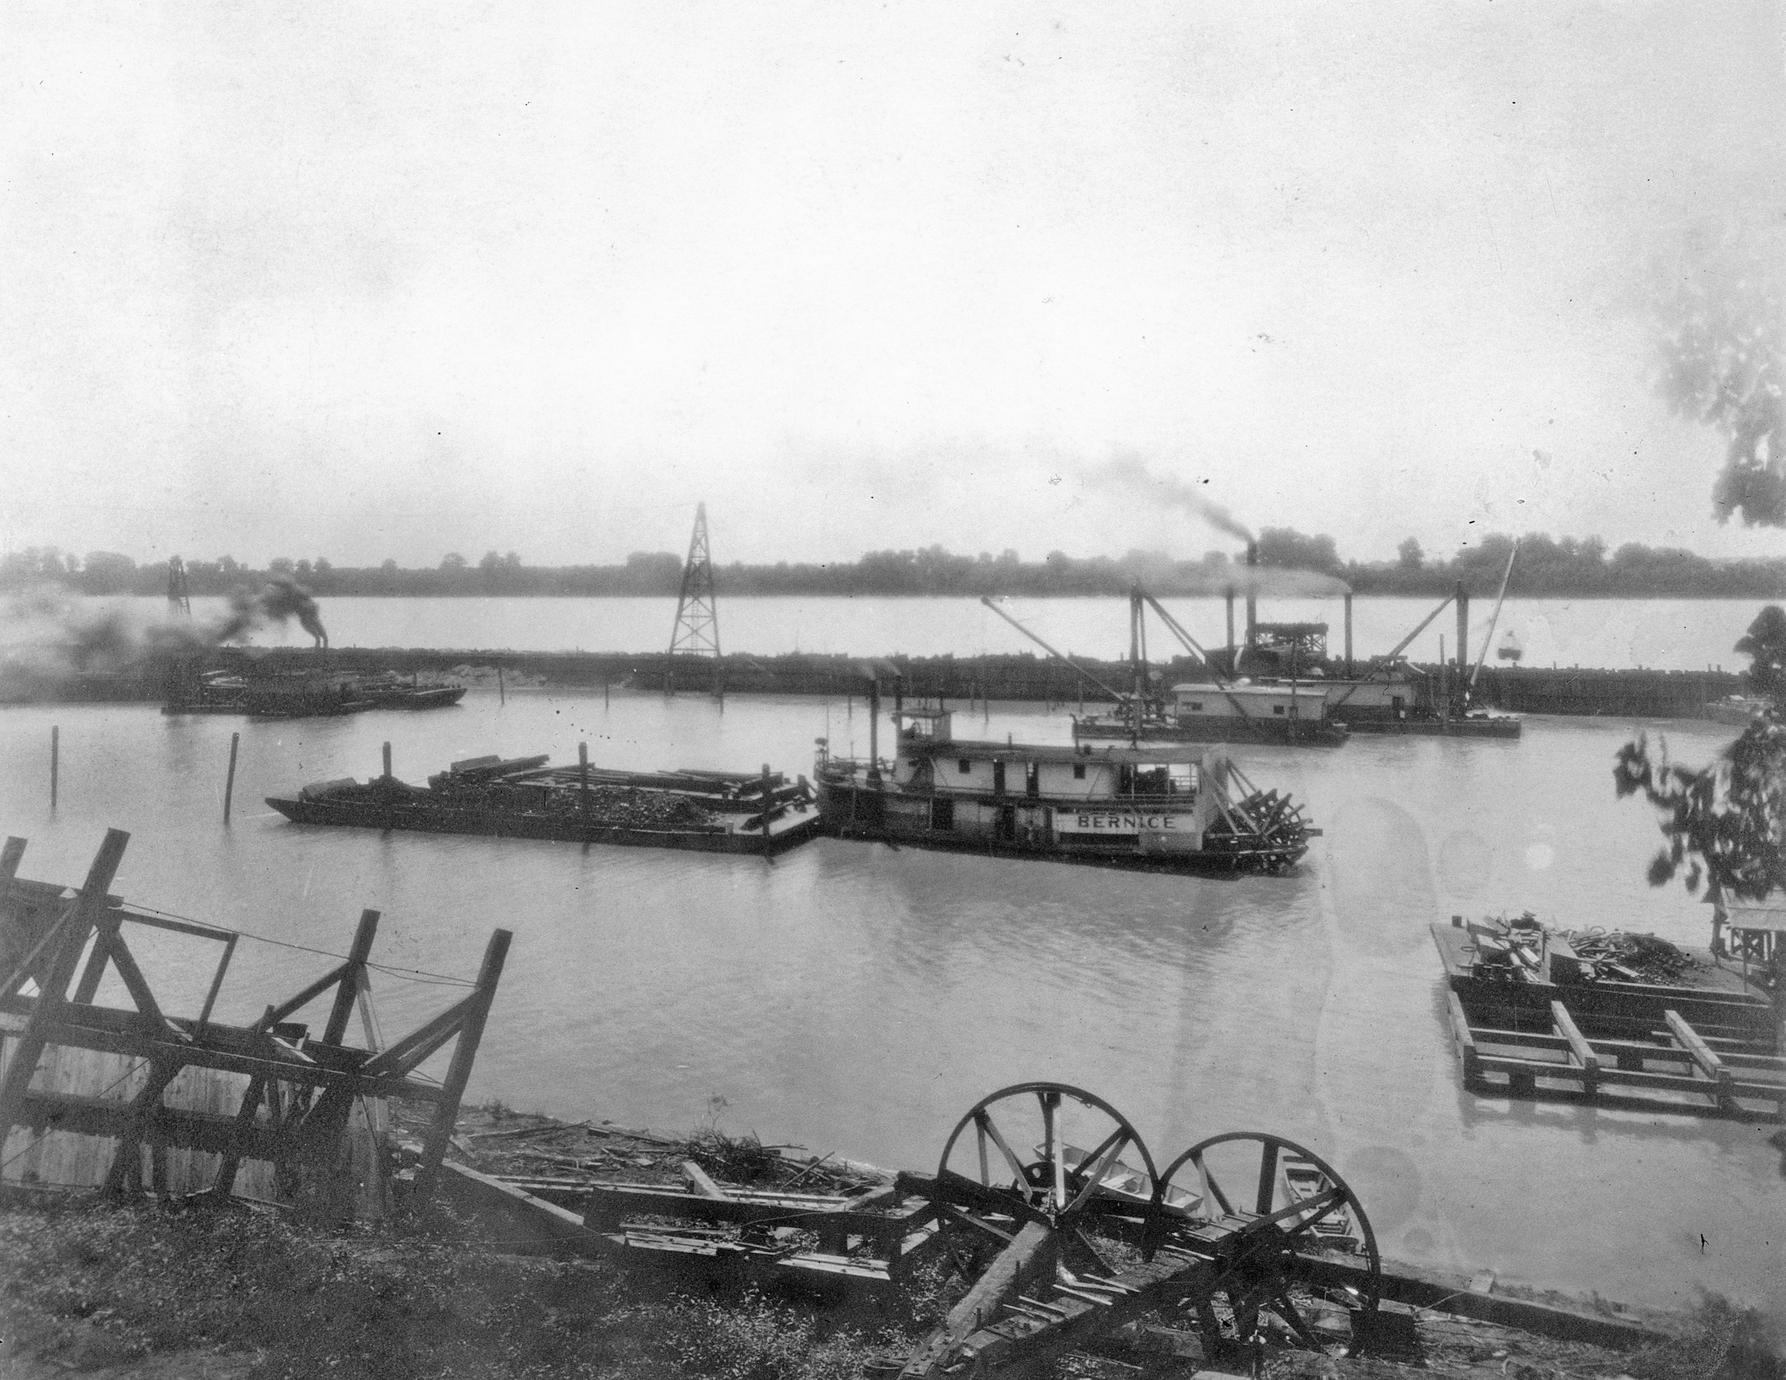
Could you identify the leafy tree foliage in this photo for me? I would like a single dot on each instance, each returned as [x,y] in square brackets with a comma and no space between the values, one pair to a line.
[1721,331]
[1723,823]
[1765,645]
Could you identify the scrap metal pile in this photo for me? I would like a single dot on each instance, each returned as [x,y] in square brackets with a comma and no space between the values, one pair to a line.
[1620,956]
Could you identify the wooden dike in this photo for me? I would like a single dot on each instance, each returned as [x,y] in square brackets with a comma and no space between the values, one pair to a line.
[1533,1017]
[137,1098]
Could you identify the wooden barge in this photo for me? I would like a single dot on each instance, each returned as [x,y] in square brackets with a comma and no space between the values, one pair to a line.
[1163,807]
[298,693]
[1292,714]
[1531,1018]
[524,797]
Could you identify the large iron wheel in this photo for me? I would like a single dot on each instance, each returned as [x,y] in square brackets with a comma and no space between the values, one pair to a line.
[1048,1154]
[1302,1268]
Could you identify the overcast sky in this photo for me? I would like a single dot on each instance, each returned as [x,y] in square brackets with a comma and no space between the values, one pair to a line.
[366,280]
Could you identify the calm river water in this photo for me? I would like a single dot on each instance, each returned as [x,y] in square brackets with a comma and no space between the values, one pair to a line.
[858,999]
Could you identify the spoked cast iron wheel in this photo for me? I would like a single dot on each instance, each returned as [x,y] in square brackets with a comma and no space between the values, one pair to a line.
[1305,1269]
[1049,1156]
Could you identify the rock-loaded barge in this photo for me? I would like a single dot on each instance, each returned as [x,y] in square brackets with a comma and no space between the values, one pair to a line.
[1172,807]
[524,797]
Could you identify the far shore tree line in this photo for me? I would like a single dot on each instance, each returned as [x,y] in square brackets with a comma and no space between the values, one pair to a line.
[1545,567]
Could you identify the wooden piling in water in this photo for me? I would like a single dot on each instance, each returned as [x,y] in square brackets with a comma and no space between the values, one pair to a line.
[55,756]
[583,780]
[229,781]
[387,761]
[501,693]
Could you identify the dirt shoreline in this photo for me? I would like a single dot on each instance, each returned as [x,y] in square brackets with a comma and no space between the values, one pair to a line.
[149,1291]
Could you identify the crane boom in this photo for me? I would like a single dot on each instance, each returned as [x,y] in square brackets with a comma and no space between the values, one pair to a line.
[1114,694]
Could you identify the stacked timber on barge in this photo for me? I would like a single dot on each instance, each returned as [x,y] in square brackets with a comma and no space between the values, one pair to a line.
[524,797]
[1537,1013]
[1169,807]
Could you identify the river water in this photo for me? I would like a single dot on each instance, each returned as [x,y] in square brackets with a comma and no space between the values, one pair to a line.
[858,998]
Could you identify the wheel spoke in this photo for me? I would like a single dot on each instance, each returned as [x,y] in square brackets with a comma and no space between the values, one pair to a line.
[1267,1176]
[1098,1264]
[1054,1146]
[983,1120]
[1292,1315]
[1319,1209]
[1096,1169]
[1212,1191]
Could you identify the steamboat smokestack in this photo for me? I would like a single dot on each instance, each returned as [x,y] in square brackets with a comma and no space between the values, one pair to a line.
[1252,593]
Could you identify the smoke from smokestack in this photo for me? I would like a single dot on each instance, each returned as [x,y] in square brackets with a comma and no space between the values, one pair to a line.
[48,637]
[1128,471]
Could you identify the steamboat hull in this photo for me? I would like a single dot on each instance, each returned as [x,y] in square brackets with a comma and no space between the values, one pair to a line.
[1103,835]
[432,818]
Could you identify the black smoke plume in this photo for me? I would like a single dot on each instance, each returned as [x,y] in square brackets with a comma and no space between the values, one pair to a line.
[1131,473]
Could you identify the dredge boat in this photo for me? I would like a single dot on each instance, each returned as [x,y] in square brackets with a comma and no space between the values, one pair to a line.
[1170,807]
[523,797]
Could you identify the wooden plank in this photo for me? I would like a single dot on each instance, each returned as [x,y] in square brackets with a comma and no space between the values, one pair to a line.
[1709,1063]
[700,1182]
[555,1223]
[1584,1054]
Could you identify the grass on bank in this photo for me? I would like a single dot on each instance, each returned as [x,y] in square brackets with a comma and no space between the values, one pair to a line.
[93,1285]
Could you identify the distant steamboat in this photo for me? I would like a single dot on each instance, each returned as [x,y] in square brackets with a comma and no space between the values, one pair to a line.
[1166,807]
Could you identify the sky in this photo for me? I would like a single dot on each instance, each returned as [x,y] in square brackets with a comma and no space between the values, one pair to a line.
[367,281]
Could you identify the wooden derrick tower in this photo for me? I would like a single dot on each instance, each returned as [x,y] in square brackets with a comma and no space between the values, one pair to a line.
[696,632]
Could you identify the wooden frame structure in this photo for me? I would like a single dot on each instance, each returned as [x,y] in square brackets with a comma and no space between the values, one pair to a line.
[297,1092]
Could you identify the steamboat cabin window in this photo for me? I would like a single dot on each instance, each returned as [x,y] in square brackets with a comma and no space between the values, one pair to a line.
[1079,771]
[1277,709]
[965,766]
[1196,706]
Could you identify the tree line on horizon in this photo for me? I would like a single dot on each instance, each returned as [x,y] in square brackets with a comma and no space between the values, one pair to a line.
[1545,567]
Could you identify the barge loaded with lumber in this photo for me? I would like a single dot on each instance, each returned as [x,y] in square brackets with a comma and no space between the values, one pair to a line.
[1174,807]
[524,797]
[1614,1019]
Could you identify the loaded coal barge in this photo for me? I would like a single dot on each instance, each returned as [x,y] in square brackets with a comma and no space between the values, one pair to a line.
[1165,807]
[523,797]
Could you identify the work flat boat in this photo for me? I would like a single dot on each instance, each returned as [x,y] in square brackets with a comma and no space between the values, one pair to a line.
[524,797]
[1168,807]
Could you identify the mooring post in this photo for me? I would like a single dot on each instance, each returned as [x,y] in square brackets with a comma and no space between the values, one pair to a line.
[229,781]
[583,781]
[446,1111]
[501,694]
[606,686]
[55,756]
[874,721]
[387,762]
[768,790]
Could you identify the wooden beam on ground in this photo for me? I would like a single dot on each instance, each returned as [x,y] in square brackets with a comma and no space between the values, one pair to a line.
[555,1224]
[700,1182]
